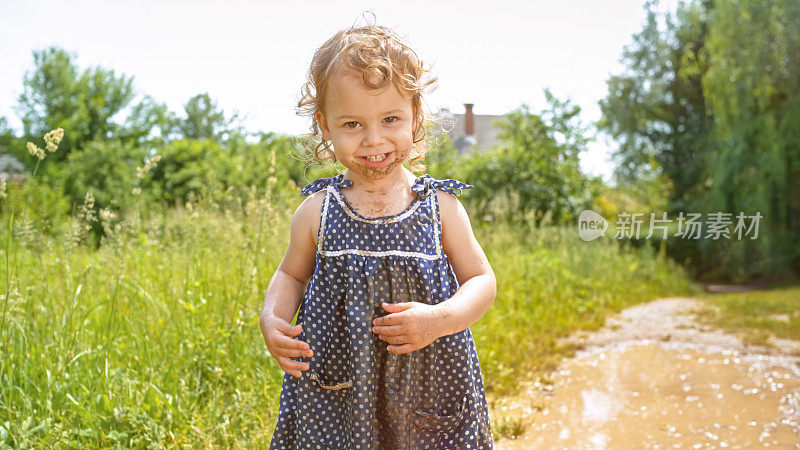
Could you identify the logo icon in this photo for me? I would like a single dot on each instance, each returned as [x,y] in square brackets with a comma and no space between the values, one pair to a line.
[591,225]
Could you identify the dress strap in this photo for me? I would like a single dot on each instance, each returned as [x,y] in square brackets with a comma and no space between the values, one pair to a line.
[322,183]
[426,184]
[423,185]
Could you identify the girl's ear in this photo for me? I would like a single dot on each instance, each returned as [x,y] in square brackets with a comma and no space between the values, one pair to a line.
[323,126]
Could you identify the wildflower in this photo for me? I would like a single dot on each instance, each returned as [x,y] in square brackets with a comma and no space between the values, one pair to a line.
[218,371]
[89,200]
[107,214]
[272,162]
[137,191]
[53,138]
[35,151]
[149,164]
[87,211]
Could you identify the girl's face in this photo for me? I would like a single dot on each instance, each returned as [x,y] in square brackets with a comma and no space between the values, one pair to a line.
[365,122]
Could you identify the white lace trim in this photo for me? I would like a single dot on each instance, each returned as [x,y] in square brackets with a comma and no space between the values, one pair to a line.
[321,237]
[431,200]
[436,225]
[355,251]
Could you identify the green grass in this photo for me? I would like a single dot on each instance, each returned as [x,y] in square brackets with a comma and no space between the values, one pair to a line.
[755,315]
[153,339]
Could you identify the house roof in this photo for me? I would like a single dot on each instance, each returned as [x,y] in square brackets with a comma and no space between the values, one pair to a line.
[484,135]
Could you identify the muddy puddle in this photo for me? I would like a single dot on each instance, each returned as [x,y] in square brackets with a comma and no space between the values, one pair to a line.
[645,394]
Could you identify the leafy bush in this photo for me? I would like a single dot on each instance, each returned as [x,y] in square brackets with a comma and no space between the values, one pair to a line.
[189,169]
[106,168]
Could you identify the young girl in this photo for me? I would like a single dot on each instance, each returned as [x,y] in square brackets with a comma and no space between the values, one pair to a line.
[388,270]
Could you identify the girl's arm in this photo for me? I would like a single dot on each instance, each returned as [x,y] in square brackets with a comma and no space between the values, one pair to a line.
[478,286]
[285,291]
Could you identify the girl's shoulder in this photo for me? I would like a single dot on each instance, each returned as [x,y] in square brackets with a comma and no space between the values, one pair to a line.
[309,213]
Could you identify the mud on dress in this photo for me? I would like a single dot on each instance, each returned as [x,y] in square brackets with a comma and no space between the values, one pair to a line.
[356,394]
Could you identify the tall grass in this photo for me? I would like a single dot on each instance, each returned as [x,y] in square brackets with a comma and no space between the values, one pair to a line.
[151,339]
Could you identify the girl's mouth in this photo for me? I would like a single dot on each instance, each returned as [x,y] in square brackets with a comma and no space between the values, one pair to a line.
[377,160]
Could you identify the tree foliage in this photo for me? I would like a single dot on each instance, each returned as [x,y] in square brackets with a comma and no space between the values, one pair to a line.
[534,173]
[656,110]
[56,94]
[753,88]
[205,120]
[711,100]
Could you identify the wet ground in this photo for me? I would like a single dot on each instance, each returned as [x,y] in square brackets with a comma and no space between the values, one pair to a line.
[653,378]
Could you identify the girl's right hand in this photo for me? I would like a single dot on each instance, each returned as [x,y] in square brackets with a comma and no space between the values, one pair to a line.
[281,346]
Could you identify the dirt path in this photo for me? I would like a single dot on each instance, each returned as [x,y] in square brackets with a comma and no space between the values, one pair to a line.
[654,378]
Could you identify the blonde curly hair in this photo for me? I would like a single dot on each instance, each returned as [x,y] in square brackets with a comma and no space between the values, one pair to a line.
[376,52]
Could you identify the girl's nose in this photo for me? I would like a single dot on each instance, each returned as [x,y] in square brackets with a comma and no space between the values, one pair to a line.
[372,137]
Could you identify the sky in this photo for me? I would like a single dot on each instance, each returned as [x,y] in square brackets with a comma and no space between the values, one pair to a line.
[253,56]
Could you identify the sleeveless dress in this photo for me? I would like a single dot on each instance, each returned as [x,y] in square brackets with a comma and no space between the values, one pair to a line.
[356,394]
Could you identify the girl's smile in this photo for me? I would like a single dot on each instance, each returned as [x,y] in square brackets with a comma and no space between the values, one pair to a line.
[377,160]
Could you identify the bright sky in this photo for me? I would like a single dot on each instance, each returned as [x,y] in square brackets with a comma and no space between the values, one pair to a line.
[253,56]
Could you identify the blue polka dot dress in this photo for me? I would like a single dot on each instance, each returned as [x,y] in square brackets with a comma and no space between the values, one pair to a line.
[356,394]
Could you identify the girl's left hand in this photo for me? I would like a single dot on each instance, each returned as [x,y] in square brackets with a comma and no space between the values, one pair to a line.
[409,326]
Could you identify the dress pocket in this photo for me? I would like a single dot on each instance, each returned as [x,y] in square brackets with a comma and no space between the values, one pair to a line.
[428,421]
[330,364]
[326,384]
[444,386]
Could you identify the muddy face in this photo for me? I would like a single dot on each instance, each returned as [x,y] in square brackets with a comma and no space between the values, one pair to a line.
[375,173]
[365,122]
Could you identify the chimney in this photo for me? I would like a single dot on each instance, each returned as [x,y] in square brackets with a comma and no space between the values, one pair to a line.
[469,120]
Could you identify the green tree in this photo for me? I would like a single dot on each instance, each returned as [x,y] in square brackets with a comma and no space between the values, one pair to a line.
[149,123]
[656,110]
[534,173]
[205,120]
[711,100]
[753,89]
[56,94]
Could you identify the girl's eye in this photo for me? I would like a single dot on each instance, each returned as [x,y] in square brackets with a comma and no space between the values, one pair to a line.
[350,124]
[391,119]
